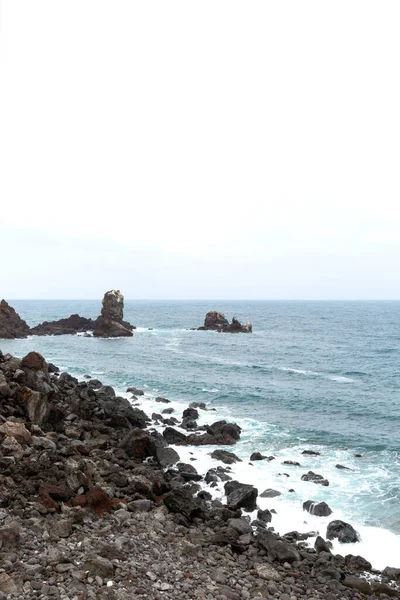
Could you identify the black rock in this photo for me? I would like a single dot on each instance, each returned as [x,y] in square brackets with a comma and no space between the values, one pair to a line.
[190,413]
[166,456]
[259,456]
[321,545]
[180,500]
[315,478]
[135,391]
[344,532]
[243,496]
[264,515]
[311,453]
[172,436]
[269,493]
[162,400]
[319,509]
[226,457]
[277,549]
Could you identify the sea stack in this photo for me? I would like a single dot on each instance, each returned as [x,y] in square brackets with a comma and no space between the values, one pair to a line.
[110,323]
[11,324]
[215,321]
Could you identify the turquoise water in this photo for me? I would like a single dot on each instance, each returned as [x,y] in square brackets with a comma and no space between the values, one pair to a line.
[313,374]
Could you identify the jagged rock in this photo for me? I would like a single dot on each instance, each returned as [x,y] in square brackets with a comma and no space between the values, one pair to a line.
[140,444]
[357,563]
[181,501]
[220,433]
[11,324]
[319,509]
[72,324]
[216,321]
[264,515]
[277,549]
[311,453]
[344,532]
[321,545]
[135,391]
[110,323]
[315,478]
[391,573]
[241,495]
[226,457]
[17,431]
[172,436]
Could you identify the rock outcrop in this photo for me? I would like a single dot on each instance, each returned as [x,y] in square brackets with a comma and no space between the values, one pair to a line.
[73,324]
[215,321]
[109,324]
[11,324]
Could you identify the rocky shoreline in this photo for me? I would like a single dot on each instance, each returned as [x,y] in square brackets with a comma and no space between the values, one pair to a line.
[94,503]
[110,323]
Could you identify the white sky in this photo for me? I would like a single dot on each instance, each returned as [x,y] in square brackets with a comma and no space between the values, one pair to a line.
[213,149]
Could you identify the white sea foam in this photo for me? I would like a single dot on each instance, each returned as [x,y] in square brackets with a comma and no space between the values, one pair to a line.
[298,371]
[341,379]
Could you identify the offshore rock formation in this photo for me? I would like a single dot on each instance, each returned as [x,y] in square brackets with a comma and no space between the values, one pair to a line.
[11,324]
[109,324]
[215,321]
[73,324]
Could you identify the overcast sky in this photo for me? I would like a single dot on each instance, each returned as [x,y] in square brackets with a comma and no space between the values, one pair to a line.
[213,149]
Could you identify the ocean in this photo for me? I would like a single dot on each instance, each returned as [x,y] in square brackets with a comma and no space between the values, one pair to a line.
[320,376]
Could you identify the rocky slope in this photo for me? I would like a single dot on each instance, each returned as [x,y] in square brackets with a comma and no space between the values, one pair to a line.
[11,324]
[95,504]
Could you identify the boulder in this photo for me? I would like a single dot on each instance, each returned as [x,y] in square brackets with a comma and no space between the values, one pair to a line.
[135,391]
[17,431]
[269,493]
[226,457]
[319,509]
[321,545]
[180,501]
[259,456]
[35,361]
[190,413]
[344,532]
[357,563]
[237,327]
[172,436]
[220,433]
[11,324]
[166,456]
[277,549]
[241,495]
[311,453]
[357,583]
[264,515]
[315,478]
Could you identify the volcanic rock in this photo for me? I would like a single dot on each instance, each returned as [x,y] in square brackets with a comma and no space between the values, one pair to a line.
[110,323]
[226,457]
[215,321]
[70,325]
[315,478]
[344,532]
[11,324]
[319,509]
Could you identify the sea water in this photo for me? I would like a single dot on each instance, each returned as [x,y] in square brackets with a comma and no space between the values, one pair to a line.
[320,376]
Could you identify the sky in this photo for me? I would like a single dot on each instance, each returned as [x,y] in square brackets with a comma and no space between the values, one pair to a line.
[213,149]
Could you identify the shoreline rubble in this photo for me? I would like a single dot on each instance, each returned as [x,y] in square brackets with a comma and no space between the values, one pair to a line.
[94,503]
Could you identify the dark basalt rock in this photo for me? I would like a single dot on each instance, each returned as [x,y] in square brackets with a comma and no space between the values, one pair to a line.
[321,545]
[241,495]
[311,453]
[226,457]
[135,391]
[259,456]
[264,515]
[277,549]
[180,500]
[319,509]
[269,493]
[220,433]
[215,321]
[315,478]
[71,325]
[11,324]
[291,462]
[344,532]
[172,436]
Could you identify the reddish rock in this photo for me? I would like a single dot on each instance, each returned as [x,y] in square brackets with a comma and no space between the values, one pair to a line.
[17,431]
[96,500]
[35,361]
[11,324]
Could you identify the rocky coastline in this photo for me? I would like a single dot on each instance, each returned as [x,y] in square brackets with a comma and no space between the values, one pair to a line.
[215,321]
[95,503]
[110,323]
